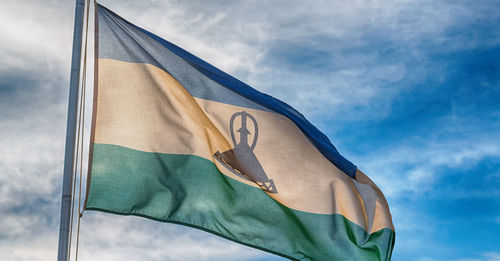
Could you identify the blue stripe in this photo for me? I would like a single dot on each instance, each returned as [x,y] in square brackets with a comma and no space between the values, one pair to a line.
[122,40]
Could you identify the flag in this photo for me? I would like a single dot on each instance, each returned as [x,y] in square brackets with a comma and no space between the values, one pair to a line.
[177,140]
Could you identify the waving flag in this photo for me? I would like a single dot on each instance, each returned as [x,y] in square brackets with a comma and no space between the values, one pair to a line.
[176,140]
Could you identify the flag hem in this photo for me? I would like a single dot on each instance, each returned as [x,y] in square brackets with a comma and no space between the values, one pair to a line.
[184,223]
[94,104]
[200,227]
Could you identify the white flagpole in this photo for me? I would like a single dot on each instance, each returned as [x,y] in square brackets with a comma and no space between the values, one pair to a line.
[64,233]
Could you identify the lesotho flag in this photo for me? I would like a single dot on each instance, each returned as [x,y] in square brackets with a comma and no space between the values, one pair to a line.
[175,139]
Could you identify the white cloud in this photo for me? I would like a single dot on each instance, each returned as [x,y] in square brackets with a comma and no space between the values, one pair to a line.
[38,247]
[35,35]
[487,256]
[407,168]
[131,238]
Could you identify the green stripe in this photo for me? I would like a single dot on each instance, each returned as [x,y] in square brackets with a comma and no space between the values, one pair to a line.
[189,190]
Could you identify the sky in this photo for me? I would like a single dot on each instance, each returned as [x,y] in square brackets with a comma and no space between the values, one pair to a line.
[407,90]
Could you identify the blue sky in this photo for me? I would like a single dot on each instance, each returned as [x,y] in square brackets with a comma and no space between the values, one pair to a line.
[408,90]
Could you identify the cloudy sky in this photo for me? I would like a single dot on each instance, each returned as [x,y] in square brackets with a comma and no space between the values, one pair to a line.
[407,90]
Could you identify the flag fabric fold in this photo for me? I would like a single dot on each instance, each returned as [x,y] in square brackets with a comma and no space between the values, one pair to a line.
[176,140]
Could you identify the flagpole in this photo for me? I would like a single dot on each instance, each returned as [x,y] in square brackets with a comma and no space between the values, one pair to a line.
[64,233]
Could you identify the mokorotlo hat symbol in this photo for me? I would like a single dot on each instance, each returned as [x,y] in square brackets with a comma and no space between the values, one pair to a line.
[241,160]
